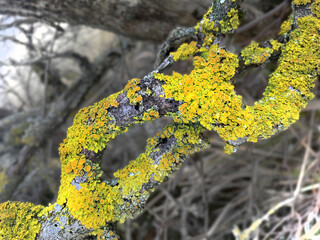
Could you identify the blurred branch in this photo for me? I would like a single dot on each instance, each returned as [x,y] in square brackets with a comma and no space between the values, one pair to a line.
[39,128]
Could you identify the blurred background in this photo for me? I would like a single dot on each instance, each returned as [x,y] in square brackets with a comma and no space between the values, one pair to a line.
[49,70]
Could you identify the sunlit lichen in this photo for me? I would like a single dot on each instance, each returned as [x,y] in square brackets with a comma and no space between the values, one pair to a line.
[208,97]
[132,90]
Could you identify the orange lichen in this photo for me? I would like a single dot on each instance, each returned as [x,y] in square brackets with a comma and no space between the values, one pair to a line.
[87,168]
[132,90]
[150,115]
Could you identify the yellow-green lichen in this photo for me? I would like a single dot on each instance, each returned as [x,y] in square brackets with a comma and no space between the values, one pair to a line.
[150,115]
[229,149]
[230,24]
[209,27]
[276,45]
[301,2]
[132,90]
[19,220]
[315,8]
[207,96]
[185,51]
[139,172]
[102,233]
[90,201]
[253,54]
[286,26]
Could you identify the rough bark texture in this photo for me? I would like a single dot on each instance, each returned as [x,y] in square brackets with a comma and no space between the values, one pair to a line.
[142,19]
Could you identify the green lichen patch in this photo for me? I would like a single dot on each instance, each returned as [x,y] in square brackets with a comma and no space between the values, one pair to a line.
[19,220]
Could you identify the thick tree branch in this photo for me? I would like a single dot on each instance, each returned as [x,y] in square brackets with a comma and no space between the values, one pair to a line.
[142,19]
[199,101]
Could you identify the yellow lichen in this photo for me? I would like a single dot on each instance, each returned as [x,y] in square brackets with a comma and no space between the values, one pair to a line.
[90,201]
[185,51]
[230,24]
[132,89]
[286,26]
[209,28]
[301,2]
[229,149]
[208,97]
[253,54]
[150,115]
[19,220]
[315,8]
[138,172]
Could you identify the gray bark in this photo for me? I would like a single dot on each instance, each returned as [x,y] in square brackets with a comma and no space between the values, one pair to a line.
[141,19]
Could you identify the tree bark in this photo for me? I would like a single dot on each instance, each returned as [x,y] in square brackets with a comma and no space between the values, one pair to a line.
[141,19]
